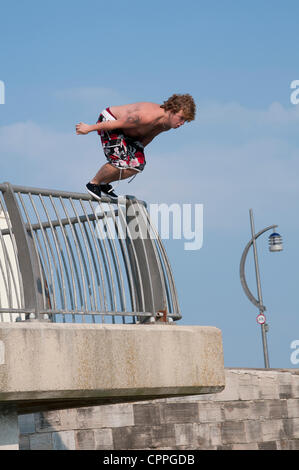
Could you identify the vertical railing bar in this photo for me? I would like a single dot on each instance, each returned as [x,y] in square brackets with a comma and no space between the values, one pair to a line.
[49,244]
[166,283]
[101,258]
[167,268]
[146,259]
[70,257]
[91,249]
[78,252]
[83,300]
[138,267]
[8,269]
[65,270]
[146,218]
[140,280]
[5,283]
[125,259]
[19,290]
[3,276]
[114,302]
[117,268]
[50,273]
[35,247]
[54,235]
[92,300]
[86,291]
[171,283]
[127,263]
[76,272]
[106,259]
[93,258]
[43,259]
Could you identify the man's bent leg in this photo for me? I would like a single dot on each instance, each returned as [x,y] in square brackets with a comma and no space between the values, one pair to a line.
[109,173]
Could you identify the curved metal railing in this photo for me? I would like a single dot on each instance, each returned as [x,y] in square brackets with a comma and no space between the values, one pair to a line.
[68,258]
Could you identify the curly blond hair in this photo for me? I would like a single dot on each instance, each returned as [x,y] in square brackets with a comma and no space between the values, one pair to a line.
[177,103]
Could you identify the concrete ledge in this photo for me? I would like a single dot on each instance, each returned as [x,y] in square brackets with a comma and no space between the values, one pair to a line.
[70,364]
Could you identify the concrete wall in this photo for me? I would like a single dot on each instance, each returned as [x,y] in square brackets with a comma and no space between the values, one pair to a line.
[48,365]
[258,409]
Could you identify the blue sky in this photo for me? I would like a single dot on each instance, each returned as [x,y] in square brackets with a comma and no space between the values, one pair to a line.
[63,62]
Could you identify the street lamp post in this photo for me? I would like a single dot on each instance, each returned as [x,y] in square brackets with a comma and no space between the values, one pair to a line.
[275,244]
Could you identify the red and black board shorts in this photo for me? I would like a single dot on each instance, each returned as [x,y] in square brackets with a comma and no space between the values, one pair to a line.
[120,150]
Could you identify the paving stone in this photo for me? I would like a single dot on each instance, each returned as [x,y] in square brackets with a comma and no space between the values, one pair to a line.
[186,434]
[248,386]
[237,410]
[138,437]
[41,441]
[253,430]
[294,427]
[295,385]
[233,432]
[146,413]
[273,429]
[215,434]
[285,384]
[47,421]
[259,409]
[293,444]
[103,439]
[84,439]
[106,416]
[244,446]
[203,436]
[269,445]
[277,409]
[210,412]
[293,408]
[163,435]
[64,440]
[179,413]
[24,442]
[268,385]
[26,424]
[68,419]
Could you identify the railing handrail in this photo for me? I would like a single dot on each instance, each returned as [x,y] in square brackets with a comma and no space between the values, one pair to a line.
[71,265]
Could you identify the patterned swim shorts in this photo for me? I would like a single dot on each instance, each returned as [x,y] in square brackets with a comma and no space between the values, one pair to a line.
[120,150]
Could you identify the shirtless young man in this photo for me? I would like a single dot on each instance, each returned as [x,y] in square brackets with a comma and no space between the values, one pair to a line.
[126,130]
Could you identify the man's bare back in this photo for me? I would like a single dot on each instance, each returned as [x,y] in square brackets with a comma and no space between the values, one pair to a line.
[142,121]
[147,119]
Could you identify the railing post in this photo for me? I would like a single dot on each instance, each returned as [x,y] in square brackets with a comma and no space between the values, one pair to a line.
[27,256]
[146,266]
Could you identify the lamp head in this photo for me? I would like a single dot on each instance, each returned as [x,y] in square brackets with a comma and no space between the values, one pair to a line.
[275,242]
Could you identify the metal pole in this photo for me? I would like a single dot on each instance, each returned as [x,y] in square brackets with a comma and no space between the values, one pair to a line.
[27,256]
[259,291]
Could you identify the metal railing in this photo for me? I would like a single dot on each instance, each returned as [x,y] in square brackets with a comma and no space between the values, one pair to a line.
[67,258]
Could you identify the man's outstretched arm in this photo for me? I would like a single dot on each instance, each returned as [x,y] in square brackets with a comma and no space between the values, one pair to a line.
[129,123]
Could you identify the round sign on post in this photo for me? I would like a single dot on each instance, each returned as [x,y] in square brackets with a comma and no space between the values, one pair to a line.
[261,319]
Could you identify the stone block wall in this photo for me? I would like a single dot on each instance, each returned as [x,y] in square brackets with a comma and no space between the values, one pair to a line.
[258,409]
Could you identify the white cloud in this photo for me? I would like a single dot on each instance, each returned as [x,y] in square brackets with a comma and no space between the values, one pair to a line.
[234,113]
